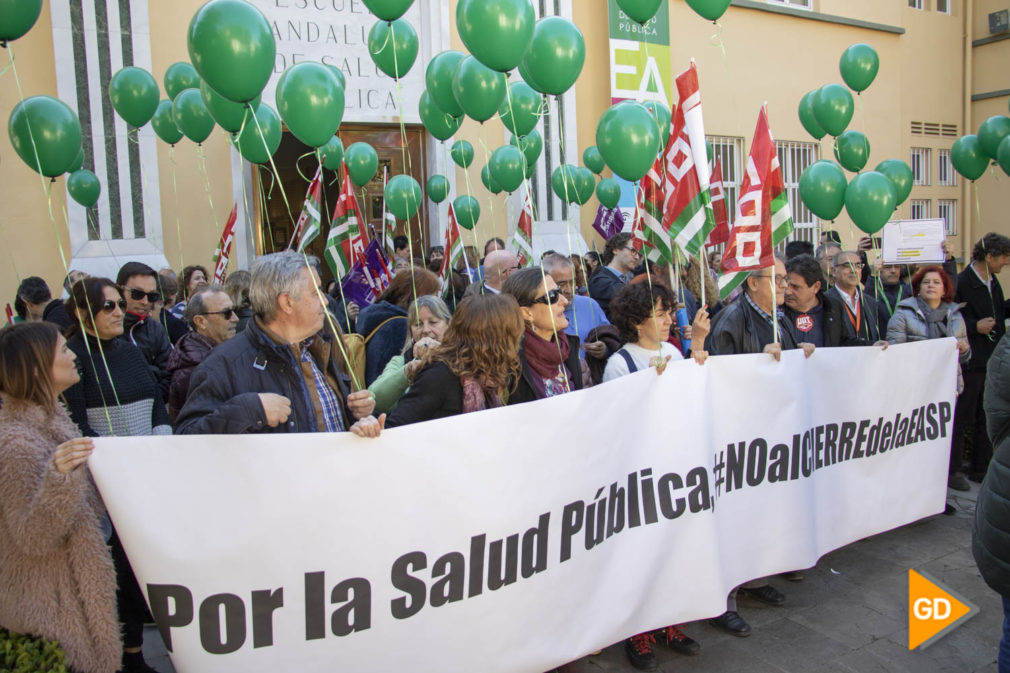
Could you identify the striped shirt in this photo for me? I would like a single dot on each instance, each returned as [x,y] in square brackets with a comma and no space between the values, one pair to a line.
[328,400]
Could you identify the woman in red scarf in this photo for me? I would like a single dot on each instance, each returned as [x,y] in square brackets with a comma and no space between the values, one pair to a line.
[549,357]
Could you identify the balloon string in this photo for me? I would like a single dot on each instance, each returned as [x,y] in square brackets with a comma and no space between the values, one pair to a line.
[298,167]
[276,175]
[202,163]
[175,197]
[407,163]
[337,334]
[31,135]
[264,207]
[568,228]
[487,159]
[716,41]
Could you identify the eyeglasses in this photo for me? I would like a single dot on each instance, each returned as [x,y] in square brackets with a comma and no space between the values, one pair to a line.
[779,280]
[552,297]
[224,313]
[137,295]
[638,253]
[858,266]
[109,306]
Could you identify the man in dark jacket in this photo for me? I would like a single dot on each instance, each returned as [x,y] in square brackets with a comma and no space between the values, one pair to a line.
[990,539]
[984,314]
[139,284]
[284,372]
[814,314]
[620,258]
[889,288]
[864,319]
[210,312]
[39,304]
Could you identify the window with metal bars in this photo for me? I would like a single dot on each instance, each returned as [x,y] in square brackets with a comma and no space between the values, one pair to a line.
[729,152]
[795,157]
[920,166]
[946,176]
[920,209]
[946,210]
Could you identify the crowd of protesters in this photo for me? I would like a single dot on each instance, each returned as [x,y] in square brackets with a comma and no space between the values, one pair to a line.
[153,352]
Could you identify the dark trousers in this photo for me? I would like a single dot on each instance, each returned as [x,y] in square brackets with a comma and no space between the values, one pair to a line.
[129,598]
[967,415]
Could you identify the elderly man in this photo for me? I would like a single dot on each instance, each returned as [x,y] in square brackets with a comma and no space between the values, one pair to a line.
[865,319]
[498,266]
[285,371]
[141,327]
[211,315]
[583,313]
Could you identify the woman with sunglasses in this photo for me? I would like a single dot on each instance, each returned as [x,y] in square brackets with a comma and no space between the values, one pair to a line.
[56,576]
[549,357]
[116,396]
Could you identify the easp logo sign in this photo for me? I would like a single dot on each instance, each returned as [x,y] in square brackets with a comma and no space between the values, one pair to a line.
[933,611]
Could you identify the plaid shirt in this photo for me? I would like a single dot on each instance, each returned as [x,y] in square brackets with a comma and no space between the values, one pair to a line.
[764,314]
[332,414]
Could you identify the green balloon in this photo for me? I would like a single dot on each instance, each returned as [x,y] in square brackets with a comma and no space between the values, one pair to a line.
[662,115]
[833,108]
[594,161]
[992,132]
[462,153]
[563,182]
[438,79]
[528,77]
[489,181]
[192,116]
[968,157]
[388,10]
[521,109]
[179,77]
[403,196]
[78,162]
[332,153]
[467,211]
[229,115]
[479,90]
[852,150]
[362,163]
[900,175]
[232,46]
[163,123]
[134,95]
[585,185]
[555,56]
[1003,155]
[261,136]
[858,66]
[311,102]
[709,9]
[438,188]
[870,201]
[608,191]
[807,117]
[507,166]
[531,145]
[53,127]
[639,11]
[439,123]
[339,74]
[84,187]
[497,32]
[822,189]
[17,17]
[627,136]
[393,47]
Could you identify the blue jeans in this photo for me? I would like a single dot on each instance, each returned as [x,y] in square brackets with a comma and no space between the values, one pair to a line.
[1004,643]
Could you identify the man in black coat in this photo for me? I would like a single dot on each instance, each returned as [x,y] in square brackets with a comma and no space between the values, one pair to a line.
[35,302]
[139,284]
[815,315]
[619,258]
[864,319]
[984,314]
[283,373]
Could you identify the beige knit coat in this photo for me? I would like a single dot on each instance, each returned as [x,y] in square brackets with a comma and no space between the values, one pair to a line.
[56,575]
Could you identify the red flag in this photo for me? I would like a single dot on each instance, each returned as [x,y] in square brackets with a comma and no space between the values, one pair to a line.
[309,223]
[453,247]
[10,315]
[522,240]
[223,252]
[721,232]
[347,235]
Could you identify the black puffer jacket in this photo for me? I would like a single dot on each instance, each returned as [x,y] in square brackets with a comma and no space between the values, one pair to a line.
[224,389]
[990,539]
[739,329]
[192,349]
[150,337]
[383,342]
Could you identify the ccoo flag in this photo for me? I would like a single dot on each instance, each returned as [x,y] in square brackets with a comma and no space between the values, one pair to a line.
[223,252]
[309,225]
[346,238]
[522,239]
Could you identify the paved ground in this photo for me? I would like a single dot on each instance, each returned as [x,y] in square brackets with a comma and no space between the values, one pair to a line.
[849,614]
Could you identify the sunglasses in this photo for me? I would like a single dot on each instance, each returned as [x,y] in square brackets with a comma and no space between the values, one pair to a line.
[550,298]
[224,313]
[109,306]
[137,295]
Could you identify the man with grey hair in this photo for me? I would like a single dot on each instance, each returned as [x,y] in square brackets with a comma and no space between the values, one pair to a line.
[583,313]
[212,319]
[866,321]
[286,372]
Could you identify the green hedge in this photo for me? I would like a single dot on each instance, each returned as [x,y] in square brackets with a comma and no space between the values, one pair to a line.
[29,654]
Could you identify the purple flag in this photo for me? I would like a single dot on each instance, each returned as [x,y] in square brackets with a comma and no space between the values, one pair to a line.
[368,277]
[609,221]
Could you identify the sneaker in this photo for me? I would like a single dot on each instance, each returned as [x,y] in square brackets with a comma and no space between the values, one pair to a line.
[678,640]
[732,623]
[639,651]
[767,594]
[958,482]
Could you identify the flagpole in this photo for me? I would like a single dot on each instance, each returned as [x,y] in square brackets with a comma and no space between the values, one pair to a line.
[704,273]
[775,303]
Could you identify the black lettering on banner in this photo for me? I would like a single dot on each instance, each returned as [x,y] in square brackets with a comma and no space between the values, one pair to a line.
[736,458]
[571,523]
[534,555]
[503,570]
[757,459]
[315,605]
[699,499]
[615,509]
[910,438]
[649,497]
[821,458]
[831,441]
[934,428]
[356,614]
[476,565]
[778,466]
[920,426]
[596,521]
[634,517]
[409,605]
[670,506]
[885,437]
[808,454]
[451,568]
[845,441]
[264,602]
[861,438]
[180,613]
[901,428]
[945,417]
[794,472]
[873,441]
[213,639]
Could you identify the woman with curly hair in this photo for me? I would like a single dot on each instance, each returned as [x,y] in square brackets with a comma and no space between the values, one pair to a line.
[471,368]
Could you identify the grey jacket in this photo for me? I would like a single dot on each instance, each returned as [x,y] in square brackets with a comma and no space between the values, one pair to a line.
[909,324]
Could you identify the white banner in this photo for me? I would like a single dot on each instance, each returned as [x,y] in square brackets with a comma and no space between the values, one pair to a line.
[520,538]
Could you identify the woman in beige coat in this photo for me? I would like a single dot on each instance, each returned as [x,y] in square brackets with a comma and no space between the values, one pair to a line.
[56,574]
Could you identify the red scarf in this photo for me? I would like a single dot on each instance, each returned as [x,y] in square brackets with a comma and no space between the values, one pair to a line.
[543,356]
